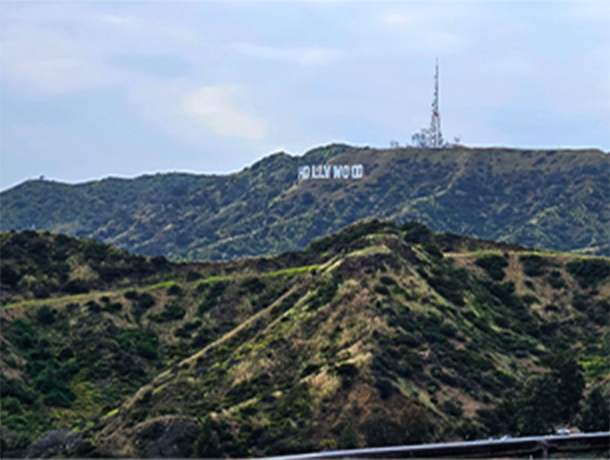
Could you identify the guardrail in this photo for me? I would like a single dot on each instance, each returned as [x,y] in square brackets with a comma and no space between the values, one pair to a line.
[538,446]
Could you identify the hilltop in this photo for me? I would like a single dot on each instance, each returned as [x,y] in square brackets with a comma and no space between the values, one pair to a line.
[376,335]
[555,199]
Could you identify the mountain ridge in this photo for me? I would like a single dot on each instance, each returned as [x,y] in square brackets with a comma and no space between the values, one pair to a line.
[562,203]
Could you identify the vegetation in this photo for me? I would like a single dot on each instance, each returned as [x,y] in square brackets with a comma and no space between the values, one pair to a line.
[377,335]
[263,210]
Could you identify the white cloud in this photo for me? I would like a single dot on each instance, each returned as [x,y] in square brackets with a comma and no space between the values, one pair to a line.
[138,25]
[213,107]
[306,56]
[43,62]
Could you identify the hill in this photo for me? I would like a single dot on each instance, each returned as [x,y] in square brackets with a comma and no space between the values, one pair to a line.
[377,335]
[556,200]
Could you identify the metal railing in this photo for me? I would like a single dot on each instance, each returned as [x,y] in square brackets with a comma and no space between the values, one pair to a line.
[537,446]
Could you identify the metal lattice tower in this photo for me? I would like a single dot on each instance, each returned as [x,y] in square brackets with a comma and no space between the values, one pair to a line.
[435,137]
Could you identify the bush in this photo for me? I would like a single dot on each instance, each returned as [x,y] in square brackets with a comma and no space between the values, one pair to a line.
[387,280]
[170,313]
[347,372]
[533,265]
[252,286]
[596,416]
[452,407]
[93,307]
[192,276]
[589,272]
[555,280]
[494,266]
[325,294]
[76,286]
[174,290]
[9,276]
[11,405]
[381,432]
[433,250]
[22,335]
[45,316]
[59,398]
[113,307]
[145,301]
[146,350]
[416,232]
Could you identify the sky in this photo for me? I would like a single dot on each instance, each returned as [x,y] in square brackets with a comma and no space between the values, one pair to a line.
[123,88]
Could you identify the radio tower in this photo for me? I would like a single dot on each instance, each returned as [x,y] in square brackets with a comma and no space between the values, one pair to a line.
[435,139]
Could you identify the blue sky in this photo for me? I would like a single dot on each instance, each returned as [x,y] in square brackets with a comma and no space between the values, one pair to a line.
[96,89]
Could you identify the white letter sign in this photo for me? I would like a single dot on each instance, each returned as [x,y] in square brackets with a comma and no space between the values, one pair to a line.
[324,172]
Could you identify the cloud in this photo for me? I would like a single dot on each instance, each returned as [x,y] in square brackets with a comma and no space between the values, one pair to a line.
[139,25]
[43,62]
[213,107]
[306,56]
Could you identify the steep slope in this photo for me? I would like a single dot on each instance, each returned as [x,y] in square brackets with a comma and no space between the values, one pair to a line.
[548,199]
[375,335]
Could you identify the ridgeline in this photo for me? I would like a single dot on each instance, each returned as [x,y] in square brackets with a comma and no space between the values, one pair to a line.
[557,200]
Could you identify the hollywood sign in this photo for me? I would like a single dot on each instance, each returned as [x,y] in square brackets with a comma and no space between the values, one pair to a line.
[331,172]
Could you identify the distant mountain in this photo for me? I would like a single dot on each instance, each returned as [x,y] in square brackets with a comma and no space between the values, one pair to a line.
[545,199]
[376,335]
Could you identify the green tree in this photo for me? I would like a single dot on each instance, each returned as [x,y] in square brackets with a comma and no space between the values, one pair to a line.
[45,316]
[207,444]
[538,405]
[596,416]
[570,387]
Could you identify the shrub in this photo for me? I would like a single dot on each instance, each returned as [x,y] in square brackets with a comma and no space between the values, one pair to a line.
[555,280]
[348,373]
[145,301]
[204,337]
[533,265]
[9,276]
[22,335]
[452,407]
[589,272]
[170,313]
[59,398]
[494,266]
[113,307]
[387,280]
[146,350]
[596,416]
[174,290]
[252,286]
[325,294]
[380,432]
[76,286]
[17,389]
[433,250]
[416,232]
[11,405]
[45,316]
[380,289]
[93,307]
[192,276]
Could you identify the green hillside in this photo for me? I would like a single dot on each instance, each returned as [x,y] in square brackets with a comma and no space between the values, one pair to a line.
[556,200]
[377,335]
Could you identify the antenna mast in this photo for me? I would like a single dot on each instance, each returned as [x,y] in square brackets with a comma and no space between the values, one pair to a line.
[435,135]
